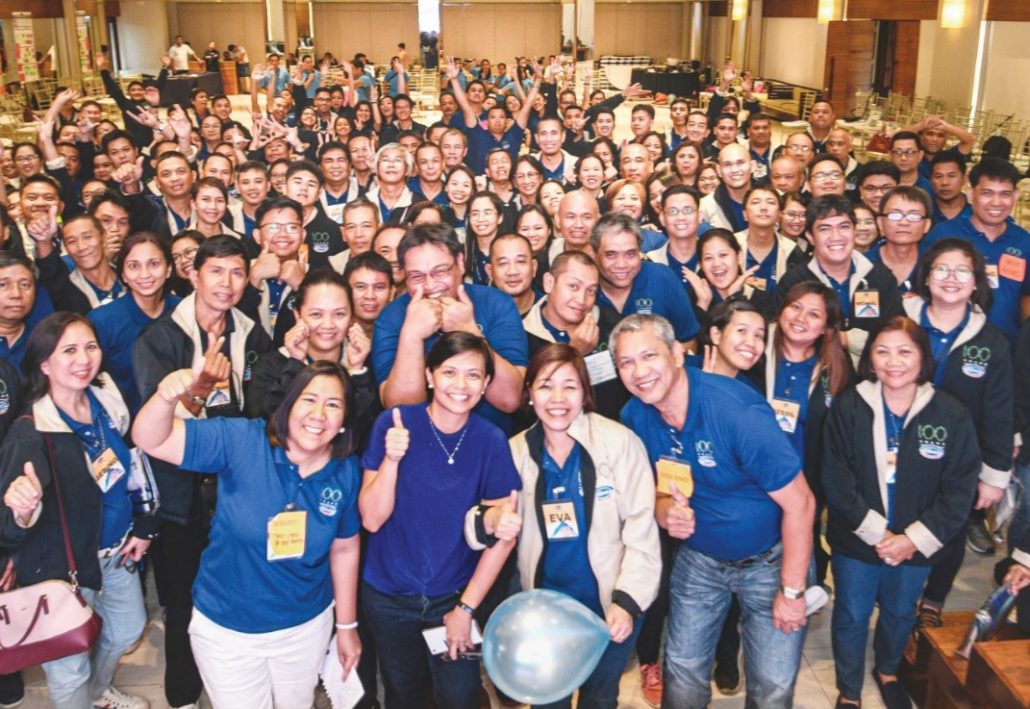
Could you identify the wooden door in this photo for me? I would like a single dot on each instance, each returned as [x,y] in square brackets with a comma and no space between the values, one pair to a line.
[850,50]
[906,54]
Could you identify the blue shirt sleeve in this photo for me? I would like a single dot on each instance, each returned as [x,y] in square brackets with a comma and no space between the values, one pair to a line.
[502,477]
[681,314]
[763,450]
[499,319]
[387,336]
[211,444]
[375,451]
[350,520]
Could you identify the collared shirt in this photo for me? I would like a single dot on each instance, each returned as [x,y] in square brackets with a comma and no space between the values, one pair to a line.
[941,342]
[656,290]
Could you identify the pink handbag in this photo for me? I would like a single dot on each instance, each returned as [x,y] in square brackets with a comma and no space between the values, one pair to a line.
[50,619]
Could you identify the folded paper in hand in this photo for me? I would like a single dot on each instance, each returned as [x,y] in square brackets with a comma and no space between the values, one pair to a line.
[342,693]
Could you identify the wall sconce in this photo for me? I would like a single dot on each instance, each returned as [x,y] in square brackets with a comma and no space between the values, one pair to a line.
[953,14]
[739,11]
[829,11]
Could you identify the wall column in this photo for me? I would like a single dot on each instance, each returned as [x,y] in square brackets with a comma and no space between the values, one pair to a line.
[275,21]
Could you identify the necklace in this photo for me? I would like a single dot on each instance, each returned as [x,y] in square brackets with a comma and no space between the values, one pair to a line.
[450,454]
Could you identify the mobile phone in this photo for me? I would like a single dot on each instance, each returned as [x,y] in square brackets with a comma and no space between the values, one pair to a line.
[436,638]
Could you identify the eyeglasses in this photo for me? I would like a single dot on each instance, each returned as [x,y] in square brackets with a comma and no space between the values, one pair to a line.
[26,158]
[906,153]
[794,216]
[677,211]
[911,217]
[963,274]
[184,256]
[799,148]
[876,189]
[821,177]
[291,228]
[439,273]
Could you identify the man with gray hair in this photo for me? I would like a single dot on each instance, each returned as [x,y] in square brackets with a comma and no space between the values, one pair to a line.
[746,519]
[392,164]
[631,285]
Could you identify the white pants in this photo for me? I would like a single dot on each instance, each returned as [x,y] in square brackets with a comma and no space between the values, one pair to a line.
[277,670]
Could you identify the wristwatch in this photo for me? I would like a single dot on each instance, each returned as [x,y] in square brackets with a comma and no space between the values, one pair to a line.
[466,608]
[198,400]
[792,594]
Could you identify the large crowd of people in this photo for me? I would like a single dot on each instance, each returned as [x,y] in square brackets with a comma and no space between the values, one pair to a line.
[694,380]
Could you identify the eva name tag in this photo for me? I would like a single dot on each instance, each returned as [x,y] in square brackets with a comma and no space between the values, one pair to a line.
[107,470]
[219,396]
[287,533]
[786,412]
[867,304]
[560,520]
[992,275]
[1012,267]
[676,471]
[600,367]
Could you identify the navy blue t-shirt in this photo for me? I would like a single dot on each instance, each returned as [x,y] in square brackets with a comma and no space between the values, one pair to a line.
[498,319]
[737,455]
[656,290]
[421,549]
[792,382]
[237,587]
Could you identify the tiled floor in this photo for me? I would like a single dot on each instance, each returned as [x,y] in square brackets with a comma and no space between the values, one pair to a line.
[142,672]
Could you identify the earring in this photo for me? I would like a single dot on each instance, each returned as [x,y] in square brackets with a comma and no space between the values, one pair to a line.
[343,429]
[429,384]
[531,402]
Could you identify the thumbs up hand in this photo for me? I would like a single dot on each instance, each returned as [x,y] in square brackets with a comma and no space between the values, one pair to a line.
[508,521]
[679,518]
[458,314]
[397,438]
[24,495]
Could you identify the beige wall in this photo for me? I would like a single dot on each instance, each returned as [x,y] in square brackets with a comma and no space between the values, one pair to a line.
[225,22]
[793,50]
[501,31]
[374,28]
[652,29]
[1008,56]
[947,57]
[143,34]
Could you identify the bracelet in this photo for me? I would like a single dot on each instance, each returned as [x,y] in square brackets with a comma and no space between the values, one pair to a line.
[358,372]
[347,626]
[465,607]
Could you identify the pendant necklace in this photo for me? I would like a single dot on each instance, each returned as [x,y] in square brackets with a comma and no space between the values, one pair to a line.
[450,454]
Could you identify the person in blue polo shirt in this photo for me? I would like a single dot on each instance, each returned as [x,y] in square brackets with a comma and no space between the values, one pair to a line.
[22,305]
[730,485]
[631,285]
[1004,245]
[437,303]
[425,467]
[286,530]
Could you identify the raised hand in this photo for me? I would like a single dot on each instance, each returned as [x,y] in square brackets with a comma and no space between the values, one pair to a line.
[424,315]
[397,438]
[214,367]
[584,336]
[458,314]
[176,383]
[296,341]
[24,495]
[43,229]
[508,521]
[742,279]
[357,349]
[679,519]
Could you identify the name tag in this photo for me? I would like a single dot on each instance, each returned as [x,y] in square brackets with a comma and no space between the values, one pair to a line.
[867,304]
[560,520]
[992,275]
[892,465]
[600,367]
[675,471]
[287,534]
[1012,267]
[787,413]
[757,283]
[107,470]
[219,396]
[335,212]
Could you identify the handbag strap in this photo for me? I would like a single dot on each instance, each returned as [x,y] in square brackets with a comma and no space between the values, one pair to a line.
[73,572]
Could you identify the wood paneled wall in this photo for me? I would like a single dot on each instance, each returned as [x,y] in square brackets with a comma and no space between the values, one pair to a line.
[1008,10]
[224,23]
[374,28]
[500,32]
[790,8]
[653,29]
[892,9]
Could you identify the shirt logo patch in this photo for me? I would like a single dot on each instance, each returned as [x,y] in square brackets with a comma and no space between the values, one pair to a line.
[974,361]
[644,305]
[5,398]
[320,241]
[705,455]
[252,357]
[932,441]
[604,492]
[329,501]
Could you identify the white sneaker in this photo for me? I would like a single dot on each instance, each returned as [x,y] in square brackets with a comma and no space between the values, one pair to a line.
[115,699]
[815,598]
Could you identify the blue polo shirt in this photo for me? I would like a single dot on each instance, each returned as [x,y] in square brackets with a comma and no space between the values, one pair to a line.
[255,483]
[792,382]
[939,218]
[1008,256]
[421,550]
[737,455]
[119,324]
[941,343]
[767,266]
[362,83]
[14,352]
[874,254]
[482,141]
[656,290]
[498,320]
[394,80]
[677,270]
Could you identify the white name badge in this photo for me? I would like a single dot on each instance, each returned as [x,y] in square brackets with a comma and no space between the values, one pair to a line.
[786,412]
[600,367]
[560,520]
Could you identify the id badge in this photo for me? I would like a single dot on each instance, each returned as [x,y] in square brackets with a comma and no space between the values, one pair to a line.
[560,520]
[867,304]
[1012,267]
[600,367]
[787,413]
[107,470]
[757,283]
[219,396]
[676,471]
[287,533]
[335,212]
[892,465]
[992,276]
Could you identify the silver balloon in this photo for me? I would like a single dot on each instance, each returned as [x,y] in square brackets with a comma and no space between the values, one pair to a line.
[540,645]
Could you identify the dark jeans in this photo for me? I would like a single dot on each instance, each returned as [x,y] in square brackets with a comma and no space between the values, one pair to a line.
[601,690]
[860,587]
[945,569]
[728,648]
[649,642]
[407,667]
[176,557]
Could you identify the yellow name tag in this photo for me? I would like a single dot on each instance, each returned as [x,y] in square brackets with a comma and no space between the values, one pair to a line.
[560,520]
[787,413]
[757,283]
[867,304]
[219,396]
[287,533]
[676,471]
[107,470]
